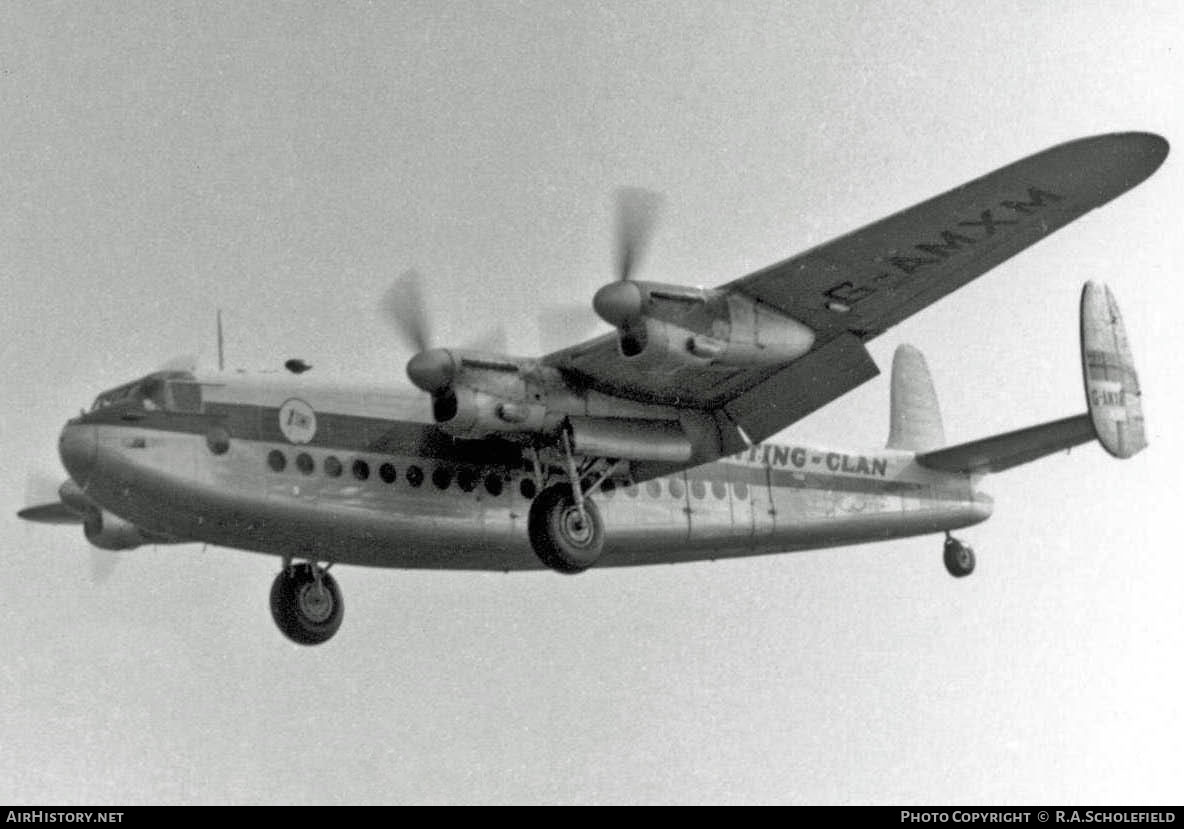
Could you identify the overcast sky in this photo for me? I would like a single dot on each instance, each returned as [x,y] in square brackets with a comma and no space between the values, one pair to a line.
[284,163]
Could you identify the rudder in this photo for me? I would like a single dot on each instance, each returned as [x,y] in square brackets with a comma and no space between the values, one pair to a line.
[1111,383]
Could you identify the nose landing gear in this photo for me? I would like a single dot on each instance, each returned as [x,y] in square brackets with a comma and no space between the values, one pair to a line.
[958,557]
[306,603]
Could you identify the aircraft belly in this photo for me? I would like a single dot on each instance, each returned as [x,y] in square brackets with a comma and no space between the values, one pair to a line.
[172,484]
[806,518]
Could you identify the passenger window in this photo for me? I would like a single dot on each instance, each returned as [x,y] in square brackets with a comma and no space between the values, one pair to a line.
[361,469]
[332,467]
[719,490]
[741,489]
[414,476]
[276,460]
[698,489]
[676,489]
[467,479]
[441,477]
[304,463]
[527,488]
[218,440]
[387,473]
[493,484]
[653,489]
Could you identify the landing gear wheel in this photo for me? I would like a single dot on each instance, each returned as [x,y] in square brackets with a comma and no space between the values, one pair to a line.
[306,604]
[563,539]
[958,557]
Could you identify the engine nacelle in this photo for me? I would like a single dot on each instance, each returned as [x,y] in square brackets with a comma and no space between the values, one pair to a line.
[472,413]
[475,396]
[676,326]
[639,440]
[110,532]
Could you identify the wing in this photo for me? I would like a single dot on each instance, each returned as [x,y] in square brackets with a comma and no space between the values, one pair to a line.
[855,287]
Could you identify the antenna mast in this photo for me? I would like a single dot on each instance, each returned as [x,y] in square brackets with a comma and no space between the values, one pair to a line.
[221,361]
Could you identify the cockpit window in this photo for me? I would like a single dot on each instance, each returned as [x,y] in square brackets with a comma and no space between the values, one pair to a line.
[174,391]
[184,396]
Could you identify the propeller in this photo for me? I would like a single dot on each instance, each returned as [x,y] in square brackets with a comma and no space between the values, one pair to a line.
[429,368]
[41,488]
[43,503]
[637,212]
[182,362]
[404,306]
[619,303]
[565,324]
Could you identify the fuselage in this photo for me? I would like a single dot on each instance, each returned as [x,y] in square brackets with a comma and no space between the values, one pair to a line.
[357,474]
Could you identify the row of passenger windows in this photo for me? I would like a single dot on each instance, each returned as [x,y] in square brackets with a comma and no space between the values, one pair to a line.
[468,479]
[676,489]
[442,476]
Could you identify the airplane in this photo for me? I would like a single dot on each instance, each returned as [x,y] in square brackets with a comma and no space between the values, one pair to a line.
[649,444]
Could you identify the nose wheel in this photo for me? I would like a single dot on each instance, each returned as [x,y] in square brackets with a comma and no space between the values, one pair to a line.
[958,557]
[306,603]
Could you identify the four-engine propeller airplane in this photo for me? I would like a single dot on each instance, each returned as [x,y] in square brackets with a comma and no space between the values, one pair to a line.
[645,445]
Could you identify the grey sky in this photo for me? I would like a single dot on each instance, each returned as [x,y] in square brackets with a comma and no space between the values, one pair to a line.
[286,162]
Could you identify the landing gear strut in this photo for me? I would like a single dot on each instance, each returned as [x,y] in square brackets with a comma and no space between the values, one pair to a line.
[958,557]
[306,603]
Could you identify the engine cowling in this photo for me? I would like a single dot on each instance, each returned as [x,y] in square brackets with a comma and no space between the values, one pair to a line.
[110,532]
[469,412]
[475,395]
[670,325]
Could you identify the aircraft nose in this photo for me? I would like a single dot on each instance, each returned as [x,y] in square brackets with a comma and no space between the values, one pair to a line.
[77,447]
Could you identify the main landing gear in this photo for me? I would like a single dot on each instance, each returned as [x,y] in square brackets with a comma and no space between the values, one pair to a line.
[958,557]
[567,535]
[306,603]
[564,524]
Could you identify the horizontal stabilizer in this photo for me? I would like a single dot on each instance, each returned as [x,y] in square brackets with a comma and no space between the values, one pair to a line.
[1115,416]
[994,454]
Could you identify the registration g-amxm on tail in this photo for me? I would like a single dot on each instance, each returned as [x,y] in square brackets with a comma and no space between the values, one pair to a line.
[649,444]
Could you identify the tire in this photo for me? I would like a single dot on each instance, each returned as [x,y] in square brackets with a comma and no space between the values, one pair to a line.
[557,535]
[958,558]
[306,614]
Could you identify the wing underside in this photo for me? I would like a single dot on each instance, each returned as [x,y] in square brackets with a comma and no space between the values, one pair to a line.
[855,287]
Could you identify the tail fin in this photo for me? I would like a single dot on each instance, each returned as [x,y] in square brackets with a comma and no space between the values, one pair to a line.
[915,419]
[1111,384]
[1115,416]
